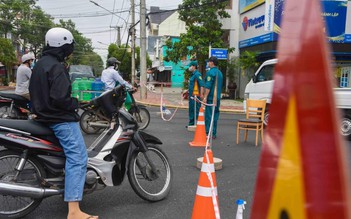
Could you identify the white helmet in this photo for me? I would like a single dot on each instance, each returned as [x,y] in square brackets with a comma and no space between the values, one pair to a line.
[27,57]
[58,36]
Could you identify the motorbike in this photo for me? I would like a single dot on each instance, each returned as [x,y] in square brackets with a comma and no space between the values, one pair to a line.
[93,119]
[14,106]
[32,165]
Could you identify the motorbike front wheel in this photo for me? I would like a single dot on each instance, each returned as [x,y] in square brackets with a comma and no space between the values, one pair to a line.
[145,182]
[17,206]
[143,118]
[85,118]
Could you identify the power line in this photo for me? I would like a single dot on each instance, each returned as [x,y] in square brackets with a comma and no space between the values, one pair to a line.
[189,7]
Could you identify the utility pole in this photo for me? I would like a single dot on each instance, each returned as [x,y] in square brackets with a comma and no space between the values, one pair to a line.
[143,49]
[118,42]
[132,30]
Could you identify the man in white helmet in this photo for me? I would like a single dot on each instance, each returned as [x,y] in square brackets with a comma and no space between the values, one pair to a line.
[23,75]
[50,92]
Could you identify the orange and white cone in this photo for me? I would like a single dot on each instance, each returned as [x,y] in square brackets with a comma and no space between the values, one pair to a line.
[206,200]
[200,132]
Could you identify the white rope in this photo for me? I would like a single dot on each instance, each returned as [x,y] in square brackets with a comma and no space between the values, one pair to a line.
[161,101]
[161,110]
[208,172]
[213,189]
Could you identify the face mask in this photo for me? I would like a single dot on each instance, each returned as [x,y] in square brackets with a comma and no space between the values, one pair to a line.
[32,65]
[116,67]
[190,69]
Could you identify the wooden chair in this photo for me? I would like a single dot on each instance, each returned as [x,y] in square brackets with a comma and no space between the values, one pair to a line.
[254,119]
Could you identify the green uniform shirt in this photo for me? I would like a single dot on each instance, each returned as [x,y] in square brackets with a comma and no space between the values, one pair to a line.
[210,82]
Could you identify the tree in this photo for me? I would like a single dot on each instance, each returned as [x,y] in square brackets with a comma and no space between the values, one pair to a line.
[26,23]
[203,29]
[248,63]
[94,60]
[83,51]
[7,55]
[82,45]
[11,12]
[125,66]
[33,30]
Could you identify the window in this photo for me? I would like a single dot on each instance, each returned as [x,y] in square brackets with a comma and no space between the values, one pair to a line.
[345,75]
[266,74]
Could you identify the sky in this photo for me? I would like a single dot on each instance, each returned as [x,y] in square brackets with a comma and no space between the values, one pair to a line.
[98,24]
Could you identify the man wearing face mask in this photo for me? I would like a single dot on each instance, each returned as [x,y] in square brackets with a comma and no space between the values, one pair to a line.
[195,90]
[23,75]
[110,75]
[212,94]
[50,92]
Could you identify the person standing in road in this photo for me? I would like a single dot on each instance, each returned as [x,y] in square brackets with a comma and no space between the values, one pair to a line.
[23,75]
[195,90]
[50,92]
[212,94]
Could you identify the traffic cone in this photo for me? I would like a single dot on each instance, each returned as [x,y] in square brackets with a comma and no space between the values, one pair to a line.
[200,132]
[206,200]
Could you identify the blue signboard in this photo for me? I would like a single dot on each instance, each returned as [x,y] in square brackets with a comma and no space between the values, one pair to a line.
[219,53]
[347,38]
[334,13]
[278,13]
[256,40]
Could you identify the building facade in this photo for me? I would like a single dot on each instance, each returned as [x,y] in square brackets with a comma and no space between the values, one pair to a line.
[260,25]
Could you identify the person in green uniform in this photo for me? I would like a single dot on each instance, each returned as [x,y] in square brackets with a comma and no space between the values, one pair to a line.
[212,93]
[195,89]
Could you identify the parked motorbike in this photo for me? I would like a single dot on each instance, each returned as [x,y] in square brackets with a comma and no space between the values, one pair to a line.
[93,119]
[32,164]
[13,106]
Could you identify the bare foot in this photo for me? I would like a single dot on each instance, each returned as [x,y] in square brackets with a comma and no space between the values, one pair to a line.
[81,215]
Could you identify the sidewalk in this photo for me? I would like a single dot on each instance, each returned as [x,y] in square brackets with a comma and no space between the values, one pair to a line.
[172,97]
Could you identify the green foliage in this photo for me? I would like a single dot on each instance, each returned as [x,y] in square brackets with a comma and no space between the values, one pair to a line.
[7,56]
[203,29]
[82,45]
[94,60]
[7,52]
[11,13]
[248,63]
[33,30]
[83,51]
[26,22]
[28,25]
[187,75]
[126,63]
[233,69]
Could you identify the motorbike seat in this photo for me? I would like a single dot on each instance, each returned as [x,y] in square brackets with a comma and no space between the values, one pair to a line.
[13,96]
[33,127]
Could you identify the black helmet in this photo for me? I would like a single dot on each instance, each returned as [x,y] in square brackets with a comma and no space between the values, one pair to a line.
[112,61]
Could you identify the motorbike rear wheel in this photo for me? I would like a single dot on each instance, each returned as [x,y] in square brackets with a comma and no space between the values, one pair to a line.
[17,206]
[143,118]
[85,118]
[145,183]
